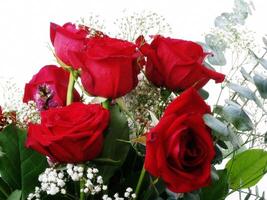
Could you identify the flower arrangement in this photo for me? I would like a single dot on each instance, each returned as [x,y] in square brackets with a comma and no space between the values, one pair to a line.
[126,117]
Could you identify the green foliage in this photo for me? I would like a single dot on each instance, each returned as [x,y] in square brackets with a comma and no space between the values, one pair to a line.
[246,93]
[218,189]
[246,168]
[5,190]
[261,84]
[246,75]
[19,166]
[234,114]
[191,196]
[221,130]
[203,93]
[115,148]
[16,195]
[222,144]
[263,63]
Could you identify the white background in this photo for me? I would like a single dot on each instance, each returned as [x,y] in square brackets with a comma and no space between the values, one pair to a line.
[24,26]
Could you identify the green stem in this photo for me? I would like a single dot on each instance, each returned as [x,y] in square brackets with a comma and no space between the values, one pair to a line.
[82,196]
[72,79]
[106,104]
[140,181]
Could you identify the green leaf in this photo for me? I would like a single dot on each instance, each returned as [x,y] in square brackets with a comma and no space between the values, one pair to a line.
[19,167]
[220,129]
[243,91]
[246,168]
[5,190]
[246,93]
[261,84]
[234,114]
[222,144]
[217,58]
[218,156]
[263,63]
[16,195]
[218,189]
[264,41]
[203,93]
[107,161]
[113,148]
[191,196]
[1,152]
[246,75]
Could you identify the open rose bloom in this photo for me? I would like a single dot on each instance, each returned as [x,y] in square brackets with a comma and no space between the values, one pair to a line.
[180,148]
[176,64]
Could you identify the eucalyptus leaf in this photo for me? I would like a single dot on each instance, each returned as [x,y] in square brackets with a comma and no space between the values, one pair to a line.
[221,22]
[235,140]
[243,91]
[214,174]
[247,196]
[220,129]
[218,156]
[215,43]
[263,63]
[264,41]
[222,144]
[203,93]
[246,75]
[246,168]
[217,58]
[261,84]
[246,93]
[19,167]
[234,114]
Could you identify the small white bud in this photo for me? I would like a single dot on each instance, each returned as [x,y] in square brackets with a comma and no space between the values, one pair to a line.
[126,194]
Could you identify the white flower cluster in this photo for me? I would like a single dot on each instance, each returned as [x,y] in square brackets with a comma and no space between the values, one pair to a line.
[10,94]
[28,113]
[53,181]
[93,183]
[127,195]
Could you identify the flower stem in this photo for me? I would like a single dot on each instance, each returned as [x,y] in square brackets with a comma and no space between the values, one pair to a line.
[82,196]
[106,104]
[140,181]
[72,79]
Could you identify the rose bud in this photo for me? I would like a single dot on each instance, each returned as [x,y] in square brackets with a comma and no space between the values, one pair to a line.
[176,64]
[70,134]
[69,37]
[48,88]
[180,148]
[109,67]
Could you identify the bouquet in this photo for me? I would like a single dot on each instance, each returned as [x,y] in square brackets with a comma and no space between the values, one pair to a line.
[126,116]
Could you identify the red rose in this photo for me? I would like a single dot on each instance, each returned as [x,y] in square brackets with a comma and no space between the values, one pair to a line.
[67,38]
[180,148]
[109,67]
[70,134]
[48,88]
[176,64]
